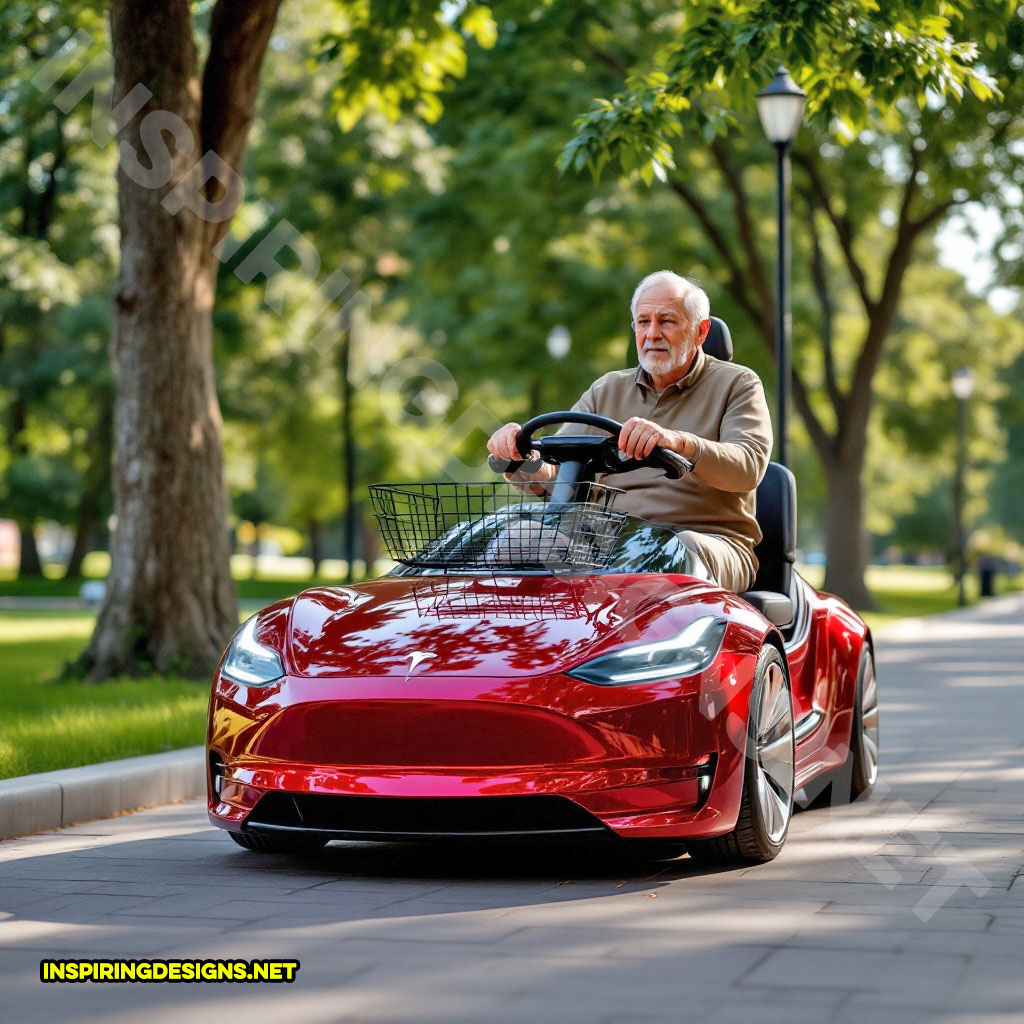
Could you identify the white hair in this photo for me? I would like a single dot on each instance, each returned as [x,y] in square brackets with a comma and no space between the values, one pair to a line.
[694,299]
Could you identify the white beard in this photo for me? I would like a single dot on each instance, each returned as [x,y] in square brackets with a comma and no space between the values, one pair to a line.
[660,363]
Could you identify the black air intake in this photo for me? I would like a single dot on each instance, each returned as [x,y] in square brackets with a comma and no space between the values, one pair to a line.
[416,818]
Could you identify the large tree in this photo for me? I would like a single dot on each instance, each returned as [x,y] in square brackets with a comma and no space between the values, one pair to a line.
[170,598]
[183,126]
[885,82]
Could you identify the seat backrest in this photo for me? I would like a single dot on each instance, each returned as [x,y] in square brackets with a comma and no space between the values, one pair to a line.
[776,515]
[718,343]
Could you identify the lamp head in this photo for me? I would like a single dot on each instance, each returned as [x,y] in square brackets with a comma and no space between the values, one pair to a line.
[781,108]
[559,341]
[962,383]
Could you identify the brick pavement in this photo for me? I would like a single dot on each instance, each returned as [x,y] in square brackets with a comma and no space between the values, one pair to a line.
[908,908]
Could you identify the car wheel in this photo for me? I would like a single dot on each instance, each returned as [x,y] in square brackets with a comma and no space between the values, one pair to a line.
[862,765]
[294,844]
[766,806]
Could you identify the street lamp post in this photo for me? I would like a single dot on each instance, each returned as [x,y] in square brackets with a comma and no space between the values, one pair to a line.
[962,383]
[781,107]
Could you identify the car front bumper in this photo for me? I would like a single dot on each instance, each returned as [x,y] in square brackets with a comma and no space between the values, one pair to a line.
[363,759]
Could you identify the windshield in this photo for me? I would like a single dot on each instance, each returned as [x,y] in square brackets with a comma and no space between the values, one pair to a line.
[637,547]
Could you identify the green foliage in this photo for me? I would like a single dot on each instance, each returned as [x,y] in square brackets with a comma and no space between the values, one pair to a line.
[56,270]
[942,326]
[456,223]
[856,60]
[280,393]
[399,57]
[40,487]
[507,250]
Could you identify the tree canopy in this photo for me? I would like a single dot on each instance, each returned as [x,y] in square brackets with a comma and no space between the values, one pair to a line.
[434,187]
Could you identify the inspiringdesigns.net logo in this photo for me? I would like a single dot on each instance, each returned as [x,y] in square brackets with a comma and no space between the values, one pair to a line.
[173,971]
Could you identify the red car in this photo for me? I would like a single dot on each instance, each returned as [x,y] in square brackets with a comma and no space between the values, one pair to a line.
[544,669]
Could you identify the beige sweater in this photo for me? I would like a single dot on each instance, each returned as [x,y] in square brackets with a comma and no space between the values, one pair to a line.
[723,406]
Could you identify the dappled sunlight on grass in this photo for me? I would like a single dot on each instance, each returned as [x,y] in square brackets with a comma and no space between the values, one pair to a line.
[273,578]
[130,718]
[45,724]
[19,626]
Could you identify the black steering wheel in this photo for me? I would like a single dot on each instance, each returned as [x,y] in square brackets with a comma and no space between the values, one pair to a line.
[600,453]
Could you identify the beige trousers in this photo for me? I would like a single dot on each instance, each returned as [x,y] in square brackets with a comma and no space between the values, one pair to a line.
[729,566]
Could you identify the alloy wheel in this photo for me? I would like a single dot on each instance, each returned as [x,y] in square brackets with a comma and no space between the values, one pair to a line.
[774,743]
[869,723]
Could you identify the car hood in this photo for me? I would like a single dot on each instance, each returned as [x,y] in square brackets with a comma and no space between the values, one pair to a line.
[483,626]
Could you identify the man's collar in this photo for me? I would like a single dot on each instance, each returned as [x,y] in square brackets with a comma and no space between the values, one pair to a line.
[643,378]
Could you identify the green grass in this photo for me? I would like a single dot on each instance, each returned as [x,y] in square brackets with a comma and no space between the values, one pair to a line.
[46,724]
[908,591]
[276,578]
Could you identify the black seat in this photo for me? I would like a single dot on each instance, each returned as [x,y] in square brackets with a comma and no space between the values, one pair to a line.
[776,512]
[718,343]
[776,553]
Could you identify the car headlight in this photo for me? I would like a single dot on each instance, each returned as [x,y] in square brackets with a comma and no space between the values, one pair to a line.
[691,650]
[248,661]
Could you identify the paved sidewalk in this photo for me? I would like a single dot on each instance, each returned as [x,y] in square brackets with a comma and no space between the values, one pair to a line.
[908,908]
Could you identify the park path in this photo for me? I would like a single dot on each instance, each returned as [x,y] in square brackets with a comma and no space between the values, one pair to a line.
[906,908]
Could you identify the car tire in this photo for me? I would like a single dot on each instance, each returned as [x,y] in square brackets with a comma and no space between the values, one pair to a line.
[293,844]
[862,760]
[766,806]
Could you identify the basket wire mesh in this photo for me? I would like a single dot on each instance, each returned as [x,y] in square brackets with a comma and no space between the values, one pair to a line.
[494,526]
[505,603]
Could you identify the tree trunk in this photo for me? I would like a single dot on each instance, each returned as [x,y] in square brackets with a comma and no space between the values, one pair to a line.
[846,539]
[316,544]
[348,456]
[86,523]
[29,563]
[371,543]
[533,399]
[95,486]
[170,601]
[254,551]
[37,211]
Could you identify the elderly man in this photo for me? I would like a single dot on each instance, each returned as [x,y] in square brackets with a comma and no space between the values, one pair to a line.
[711,412]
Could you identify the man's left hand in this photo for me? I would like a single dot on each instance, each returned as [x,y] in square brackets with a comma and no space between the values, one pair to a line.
[639,437]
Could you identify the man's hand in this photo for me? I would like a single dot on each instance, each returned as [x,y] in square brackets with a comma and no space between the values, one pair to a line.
[502,445]
[639,437]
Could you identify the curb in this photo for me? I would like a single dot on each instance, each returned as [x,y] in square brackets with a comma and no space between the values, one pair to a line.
[39,803]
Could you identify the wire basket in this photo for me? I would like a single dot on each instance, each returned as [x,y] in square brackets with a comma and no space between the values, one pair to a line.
[495,527]
[482,600]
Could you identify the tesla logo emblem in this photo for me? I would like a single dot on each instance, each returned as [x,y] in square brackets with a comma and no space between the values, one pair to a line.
[415,659]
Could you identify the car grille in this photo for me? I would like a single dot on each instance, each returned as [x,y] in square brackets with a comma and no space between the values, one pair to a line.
[392,818]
